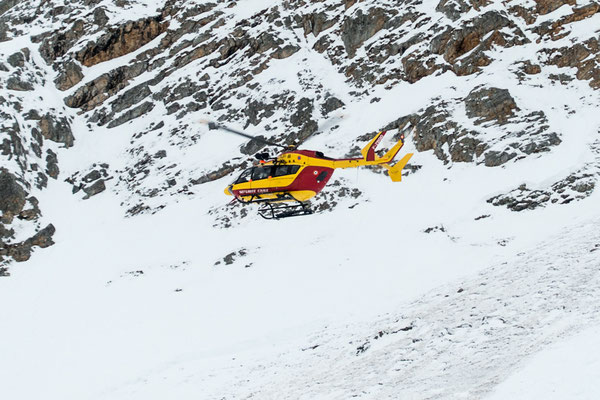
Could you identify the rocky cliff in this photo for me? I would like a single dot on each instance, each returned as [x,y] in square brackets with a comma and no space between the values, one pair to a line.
[148,73]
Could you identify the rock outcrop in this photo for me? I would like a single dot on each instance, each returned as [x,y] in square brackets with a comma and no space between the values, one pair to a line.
[12,196]
[122,40]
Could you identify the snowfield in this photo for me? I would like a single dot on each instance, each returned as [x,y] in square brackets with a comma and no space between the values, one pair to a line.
[331,305]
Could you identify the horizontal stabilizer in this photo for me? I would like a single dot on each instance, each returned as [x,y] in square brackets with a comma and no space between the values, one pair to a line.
[395,171]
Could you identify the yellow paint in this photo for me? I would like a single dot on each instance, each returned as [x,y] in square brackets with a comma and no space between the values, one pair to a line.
[303,195]
[395,171]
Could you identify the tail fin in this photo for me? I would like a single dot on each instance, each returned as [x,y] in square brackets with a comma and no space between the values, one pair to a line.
[368,152]
[395,171]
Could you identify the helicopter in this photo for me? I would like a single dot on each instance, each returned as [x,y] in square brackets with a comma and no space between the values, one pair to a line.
[284,184]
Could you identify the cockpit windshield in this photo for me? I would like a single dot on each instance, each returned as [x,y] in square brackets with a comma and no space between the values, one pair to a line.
[245,176]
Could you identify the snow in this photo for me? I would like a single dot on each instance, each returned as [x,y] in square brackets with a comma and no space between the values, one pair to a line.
[146,308]
[569,369]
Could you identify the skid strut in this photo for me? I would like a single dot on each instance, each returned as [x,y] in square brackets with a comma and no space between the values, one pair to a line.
[284,210]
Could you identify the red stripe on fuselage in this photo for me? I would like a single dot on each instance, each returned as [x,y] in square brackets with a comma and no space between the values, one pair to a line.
[305,180]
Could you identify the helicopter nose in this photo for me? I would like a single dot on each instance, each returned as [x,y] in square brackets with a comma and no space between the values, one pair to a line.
[228,191]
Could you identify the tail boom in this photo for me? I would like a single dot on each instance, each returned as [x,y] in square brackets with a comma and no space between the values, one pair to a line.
[370,158]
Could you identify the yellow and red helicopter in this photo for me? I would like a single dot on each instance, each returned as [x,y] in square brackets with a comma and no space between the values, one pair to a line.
[285,183]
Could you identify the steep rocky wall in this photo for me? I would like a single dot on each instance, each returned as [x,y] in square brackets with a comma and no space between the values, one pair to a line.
[32,128]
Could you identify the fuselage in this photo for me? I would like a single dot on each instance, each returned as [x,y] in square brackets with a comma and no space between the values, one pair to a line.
[295,175]
[299,175]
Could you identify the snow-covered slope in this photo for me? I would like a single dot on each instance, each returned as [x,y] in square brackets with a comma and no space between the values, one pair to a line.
[150,285]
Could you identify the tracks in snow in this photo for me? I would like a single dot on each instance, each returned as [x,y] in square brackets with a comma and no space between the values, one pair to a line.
[456,342]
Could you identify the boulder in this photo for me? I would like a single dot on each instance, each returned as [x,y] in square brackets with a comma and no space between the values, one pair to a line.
[57,129]
[94,189]
[17,60]
[43,238]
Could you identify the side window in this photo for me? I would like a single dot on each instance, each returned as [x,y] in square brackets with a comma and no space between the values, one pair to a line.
[261,173]
[245,176]
[282,170]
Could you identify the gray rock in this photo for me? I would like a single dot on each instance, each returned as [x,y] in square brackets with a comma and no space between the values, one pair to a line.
[454,9]
[57,129]
[95,92]
[123,40]
[496,158]
[32,115]
[316,23]
[17,60]
[12,196]
[32,213]
[331,104]
[59,42]
[6,5]
[3,31]
[361,27]
[488,104]
[92,176]
[475,36]
[576,186]
[224,170]
[14,83]
[5,233]
[285,51]
[70,76]
[52,164]
[100,17]
[94,189]
[181,91]
[255,111]
[43,238]
[132,114]
[253,146]
[22,251]
[131,97]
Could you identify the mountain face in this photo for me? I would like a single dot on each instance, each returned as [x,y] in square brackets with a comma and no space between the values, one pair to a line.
[109,178]
[277,70]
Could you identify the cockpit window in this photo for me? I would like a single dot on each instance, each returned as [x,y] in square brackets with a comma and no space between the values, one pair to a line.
[282,170]
[259,173]
[245,176]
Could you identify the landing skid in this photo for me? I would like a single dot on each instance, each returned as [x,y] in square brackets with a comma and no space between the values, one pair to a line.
[283,210]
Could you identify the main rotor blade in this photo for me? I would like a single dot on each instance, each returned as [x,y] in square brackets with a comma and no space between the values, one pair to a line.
[331,121]
[214,125]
